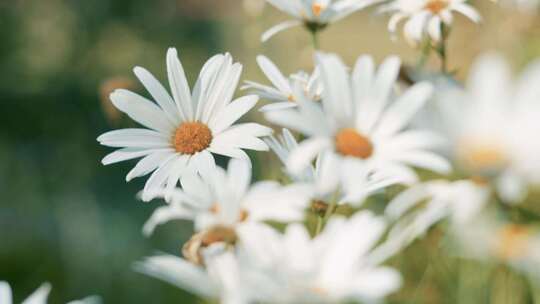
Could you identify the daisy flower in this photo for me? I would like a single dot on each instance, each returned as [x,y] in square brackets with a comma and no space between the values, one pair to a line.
[313,14]
[282,93]
[325,177]
[38,297]
[493,126]
[426,17]
[331,268]
[185,129]
[222,198]
[361,121]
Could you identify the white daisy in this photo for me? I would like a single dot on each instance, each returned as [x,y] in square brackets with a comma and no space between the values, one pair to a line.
[39,296]
[184,130]
[225,199]
[313,14]
[328,182]
[493,126]
[331,268]
[356,123]
[426,17]
[282,94]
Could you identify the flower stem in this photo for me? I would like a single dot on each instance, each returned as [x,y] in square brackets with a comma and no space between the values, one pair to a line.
[315,39]
[442,50]
[320,221]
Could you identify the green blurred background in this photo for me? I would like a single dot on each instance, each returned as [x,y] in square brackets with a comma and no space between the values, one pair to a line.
[68,220]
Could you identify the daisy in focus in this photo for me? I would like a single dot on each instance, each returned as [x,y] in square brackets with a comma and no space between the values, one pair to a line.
[39,296]
[493,126]
[361,121]
[429,18]
[331,268]
[282,94]
[186,129]
[315,15]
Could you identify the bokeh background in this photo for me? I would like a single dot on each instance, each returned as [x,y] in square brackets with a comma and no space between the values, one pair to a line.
[68,220]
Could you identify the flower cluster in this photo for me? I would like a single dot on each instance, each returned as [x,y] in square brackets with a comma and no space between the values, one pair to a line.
[350,137]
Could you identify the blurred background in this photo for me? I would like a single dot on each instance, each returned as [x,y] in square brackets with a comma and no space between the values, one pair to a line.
[66,219]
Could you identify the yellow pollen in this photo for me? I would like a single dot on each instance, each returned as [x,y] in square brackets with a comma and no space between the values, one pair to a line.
[513,241]
[319,207]
[192,137]
[351,143]
[218,234]
[317,9]
[291,98]
[436,6]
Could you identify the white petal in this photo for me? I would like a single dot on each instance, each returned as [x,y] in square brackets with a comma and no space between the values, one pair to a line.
[468,11]
[179,85]
[5,293]
[204,85]
[244,136]
[159,177]
[163,215]
[232,113]
[276,106]
[39,296]
[128,153]
[159,93]
[278,28]
[142,111]
[426,160]
[274,75]
[148,164]
[434,28]
[301,157]
[179,272]
[401,112]
[134,138]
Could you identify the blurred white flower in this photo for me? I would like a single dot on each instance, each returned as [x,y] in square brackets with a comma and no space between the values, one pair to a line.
[418,208]
[493,125]
[426,17]
[331,268]
[38,297]
[314,14]
[186,129]
[220,198]
[359,125]
[282,94]
[217,279]
[327,181]
[489,237]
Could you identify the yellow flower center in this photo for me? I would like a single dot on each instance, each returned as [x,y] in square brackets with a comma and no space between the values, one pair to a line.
[317,9]
[351,143]
[513,241]
[436,6]
[192,137]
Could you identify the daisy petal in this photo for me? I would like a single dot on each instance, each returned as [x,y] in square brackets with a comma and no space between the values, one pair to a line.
[142,110]
[179,85]
[278,28]
[159,93]
[232,113]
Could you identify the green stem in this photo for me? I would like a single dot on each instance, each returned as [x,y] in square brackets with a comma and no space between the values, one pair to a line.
[320,221]
[441,49]
[424,55]
[315,39]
